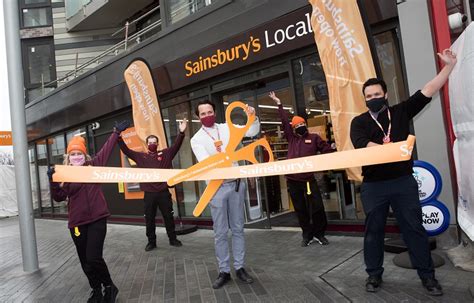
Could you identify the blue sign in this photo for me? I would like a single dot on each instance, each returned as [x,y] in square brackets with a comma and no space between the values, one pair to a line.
[435,217]
[428,179]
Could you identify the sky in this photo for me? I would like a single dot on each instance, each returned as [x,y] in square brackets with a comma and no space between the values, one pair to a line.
[5,124]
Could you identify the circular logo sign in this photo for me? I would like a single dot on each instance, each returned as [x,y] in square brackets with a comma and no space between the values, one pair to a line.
[435,217]
[428,179]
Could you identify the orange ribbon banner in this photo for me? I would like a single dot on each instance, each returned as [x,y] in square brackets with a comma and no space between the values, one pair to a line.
[387,153]
[347,61]
[393,152]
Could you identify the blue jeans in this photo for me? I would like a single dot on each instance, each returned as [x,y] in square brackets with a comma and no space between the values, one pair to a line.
[402,195]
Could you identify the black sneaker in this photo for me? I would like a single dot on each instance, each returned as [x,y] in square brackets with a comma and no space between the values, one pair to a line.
[150,246]
[373,284]
[95,296]
[110,293]
[432,287]
[306,242]
[322,240]
[243,276]
[176,243]
[222,279]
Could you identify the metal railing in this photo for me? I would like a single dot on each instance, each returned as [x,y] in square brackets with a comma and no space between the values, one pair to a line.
[113,50]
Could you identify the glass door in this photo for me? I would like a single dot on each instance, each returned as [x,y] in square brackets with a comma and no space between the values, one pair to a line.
[267,194]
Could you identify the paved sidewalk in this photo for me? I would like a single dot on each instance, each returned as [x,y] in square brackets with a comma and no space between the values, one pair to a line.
[283,271]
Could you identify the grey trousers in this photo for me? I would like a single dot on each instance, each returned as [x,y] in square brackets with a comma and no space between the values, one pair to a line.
[227,210]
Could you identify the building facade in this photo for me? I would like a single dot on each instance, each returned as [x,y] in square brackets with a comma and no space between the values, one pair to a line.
[225,50]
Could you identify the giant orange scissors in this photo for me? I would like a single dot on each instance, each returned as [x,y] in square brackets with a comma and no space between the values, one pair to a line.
[224,159]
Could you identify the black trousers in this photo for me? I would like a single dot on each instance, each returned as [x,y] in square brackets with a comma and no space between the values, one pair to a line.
[90,246]
[308,208]
[162,200]
[402,195]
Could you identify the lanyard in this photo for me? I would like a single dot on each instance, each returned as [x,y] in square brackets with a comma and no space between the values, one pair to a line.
[218,142]
[386,136]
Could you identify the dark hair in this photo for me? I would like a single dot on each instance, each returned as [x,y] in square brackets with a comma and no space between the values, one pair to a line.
[374,81]
[150,137]
[196,110]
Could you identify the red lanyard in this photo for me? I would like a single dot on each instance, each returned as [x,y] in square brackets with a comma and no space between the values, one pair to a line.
[218,142]
[386,136]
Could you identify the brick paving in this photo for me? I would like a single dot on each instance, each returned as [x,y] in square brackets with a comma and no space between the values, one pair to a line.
[283,271]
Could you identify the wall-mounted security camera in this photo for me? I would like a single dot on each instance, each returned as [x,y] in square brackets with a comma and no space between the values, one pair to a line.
[456,21]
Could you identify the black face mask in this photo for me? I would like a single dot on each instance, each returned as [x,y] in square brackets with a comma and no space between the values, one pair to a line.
[376,104]
[302,130]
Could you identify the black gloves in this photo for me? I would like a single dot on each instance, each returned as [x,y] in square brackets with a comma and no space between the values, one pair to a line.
[121,126]
[50,173]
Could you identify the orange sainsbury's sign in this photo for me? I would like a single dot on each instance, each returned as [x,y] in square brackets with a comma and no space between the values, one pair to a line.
[6,138]
[281,35]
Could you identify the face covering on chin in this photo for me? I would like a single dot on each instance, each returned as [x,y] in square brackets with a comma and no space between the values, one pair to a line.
[77,160]
[153,147]
[208,121]
[301,130]
[375,105]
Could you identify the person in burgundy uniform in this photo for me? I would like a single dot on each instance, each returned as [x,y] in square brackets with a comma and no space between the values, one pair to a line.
[157,194]
[88,212]
[303,189]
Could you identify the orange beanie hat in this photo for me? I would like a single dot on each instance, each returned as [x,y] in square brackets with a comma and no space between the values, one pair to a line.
[77,143]
[297,120]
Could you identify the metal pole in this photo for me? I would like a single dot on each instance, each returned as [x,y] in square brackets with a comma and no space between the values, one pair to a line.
[126,34]
[20,143]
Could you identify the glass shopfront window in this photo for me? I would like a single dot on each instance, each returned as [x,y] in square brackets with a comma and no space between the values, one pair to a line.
[34,180]
[311,90]
[266,192]
[57,149]
[187,193]
[42,164]
[390,65]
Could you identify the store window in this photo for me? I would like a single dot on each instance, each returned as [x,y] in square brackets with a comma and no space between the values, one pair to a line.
[390,65]
[34,180]
[187,193]
[311,90]
[179,9]
[57,149]
[42,164]
[266,193]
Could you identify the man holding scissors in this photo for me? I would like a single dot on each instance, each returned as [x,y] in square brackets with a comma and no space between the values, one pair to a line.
[393,184]
[303,188]
[157,194]
[227,204]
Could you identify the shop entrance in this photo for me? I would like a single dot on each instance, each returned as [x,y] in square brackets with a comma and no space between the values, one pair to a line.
[267,196]
[268,203]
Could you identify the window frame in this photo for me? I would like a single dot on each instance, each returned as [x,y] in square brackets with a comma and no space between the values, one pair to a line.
[46,4]
[49,17]
[25,44]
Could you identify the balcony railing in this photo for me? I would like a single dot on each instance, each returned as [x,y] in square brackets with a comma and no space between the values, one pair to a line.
[128,42]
